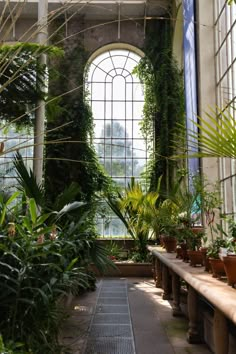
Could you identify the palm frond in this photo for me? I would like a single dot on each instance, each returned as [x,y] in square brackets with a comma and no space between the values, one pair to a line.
[212,136]
[27,181]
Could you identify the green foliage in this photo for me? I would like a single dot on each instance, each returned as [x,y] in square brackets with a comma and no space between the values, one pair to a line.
[214,248]
[133,208]
[27,181]
[75,159]
[114,250]
[164,99]
[36,268]
[232,228]
[11,347]
[43,256]
[20,80]
[215,136]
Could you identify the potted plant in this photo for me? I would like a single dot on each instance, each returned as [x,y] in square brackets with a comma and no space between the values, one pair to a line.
[229,259]
[216,263]
[205,258]
[194,247]
[167,219]
[134,208]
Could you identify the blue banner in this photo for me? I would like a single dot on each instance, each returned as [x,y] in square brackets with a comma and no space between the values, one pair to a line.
[190,76]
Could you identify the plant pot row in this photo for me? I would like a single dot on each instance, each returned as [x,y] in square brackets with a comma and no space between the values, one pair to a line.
[218,267]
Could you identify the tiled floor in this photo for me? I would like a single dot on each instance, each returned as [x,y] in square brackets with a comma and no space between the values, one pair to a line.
[126,316]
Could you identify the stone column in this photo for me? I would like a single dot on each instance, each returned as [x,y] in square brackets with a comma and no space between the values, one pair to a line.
[176,310]
[220,330]
[165,283]
[193,335]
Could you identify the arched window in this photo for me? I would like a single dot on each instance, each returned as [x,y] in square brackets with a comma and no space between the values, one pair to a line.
[116,98]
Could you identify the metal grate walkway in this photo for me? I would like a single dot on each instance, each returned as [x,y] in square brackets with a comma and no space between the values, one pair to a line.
[111,328]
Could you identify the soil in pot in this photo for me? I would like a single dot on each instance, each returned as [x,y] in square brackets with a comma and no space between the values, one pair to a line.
[230,269]
[217,267]
[195,258]
[170,243]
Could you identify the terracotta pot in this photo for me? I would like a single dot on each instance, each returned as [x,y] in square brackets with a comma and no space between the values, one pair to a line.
[195,258]
[230,269]
[205,258]
[197,229]
[161,241]
[184,252]
[170,243]
[217,267]
[179,252]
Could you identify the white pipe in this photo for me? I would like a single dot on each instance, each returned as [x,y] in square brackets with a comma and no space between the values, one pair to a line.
[40,111]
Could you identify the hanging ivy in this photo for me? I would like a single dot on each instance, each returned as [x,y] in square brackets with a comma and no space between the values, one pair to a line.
[20,83]
[164,100]
[71,158]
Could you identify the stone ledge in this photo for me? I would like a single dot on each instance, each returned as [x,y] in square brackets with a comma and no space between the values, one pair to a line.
[129,270]
[217,292]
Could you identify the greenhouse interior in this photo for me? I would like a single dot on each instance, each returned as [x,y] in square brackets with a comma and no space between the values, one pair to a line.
[118,176]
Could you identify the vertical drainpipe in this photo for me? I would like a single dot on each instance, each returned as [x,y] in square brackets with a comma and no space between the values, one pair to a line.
[190,76]
[40,111]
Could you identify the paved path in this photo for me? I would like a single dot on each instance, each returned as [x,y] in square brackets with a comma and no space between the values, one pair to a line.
[126,316]
[111,328]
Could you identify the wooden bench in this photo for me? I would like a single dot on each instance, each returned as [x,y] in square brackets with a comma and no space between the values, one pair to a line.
[168,272]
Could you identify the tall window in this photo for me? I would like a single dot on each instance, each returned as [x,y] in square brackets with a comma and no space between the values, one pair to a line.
[116,98]
[225,55]
[14,139]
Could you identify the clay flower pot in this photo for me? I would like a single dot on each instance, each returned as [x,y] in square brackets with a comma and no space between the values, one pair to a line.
[205,258]
[195,258]
[184,247]
[179,252]
[230,269]
[217,267]
[197,229]
[161,241]
[170,243]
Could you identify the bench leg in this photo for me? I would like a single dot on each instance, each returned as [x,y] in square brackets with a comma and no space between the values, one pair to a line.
[193,335]
[166,283]
[157,272]
[221,337]
[176,310]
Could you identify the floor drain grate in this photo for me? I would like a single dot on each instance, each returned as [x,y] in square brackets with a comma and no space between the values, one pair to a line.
[111,329]
[110,346]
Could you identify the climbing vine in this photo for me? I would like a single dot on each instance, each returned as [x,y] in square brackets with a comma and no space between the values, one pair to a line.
[164,100]
[71,158]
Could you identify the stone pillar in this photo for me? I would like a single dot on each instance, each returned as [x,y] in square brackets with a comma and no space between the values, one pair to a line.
[220,330]
[157,272]
[176,310]
[166,283]
[193,335]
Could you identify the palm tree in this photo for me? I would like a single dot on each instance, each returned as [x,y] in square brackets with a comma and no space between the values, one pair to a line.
[138,210]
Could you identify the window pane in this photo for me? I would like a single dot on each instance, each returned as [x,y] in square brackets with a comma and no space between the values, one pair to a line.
[117,102]
[225,31]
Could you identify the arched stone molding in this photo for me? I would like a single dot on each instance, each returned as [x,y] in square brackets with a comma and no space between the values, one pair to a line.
[178,34]
[113,46]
